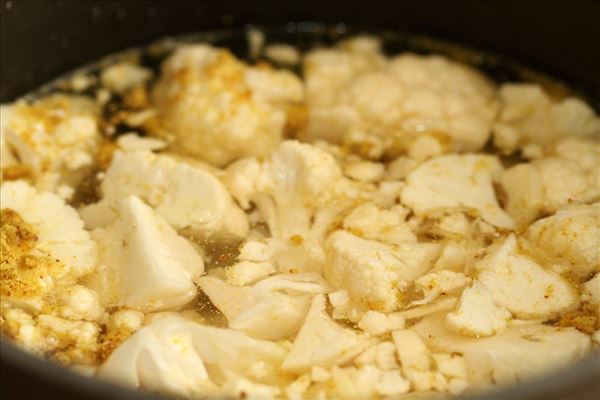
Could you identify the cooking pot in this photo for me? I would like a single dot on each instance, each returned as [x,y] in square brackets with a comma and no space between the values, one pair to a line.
[41,40]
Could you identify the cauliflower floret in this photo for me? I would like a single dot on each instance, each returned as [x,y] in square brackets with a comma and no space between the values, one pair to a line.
[143,262]
[387,226]
[322,342]
[123,76]
[364,171]
[44,244]
[439,283]
[187,197]
[175,356]
[415,359]
[245,272]
[68,341]
[80,303]
[273,309]
[218,108]
[509,356]
[570,238]
[529,115]
[477,314]
[300,193]
[591,290]
[283,54]
[381,354]
[518,284]
[569,174]
[455,181]
[376,323]
[372,272]
[370,102]
[56,138]
[366,382]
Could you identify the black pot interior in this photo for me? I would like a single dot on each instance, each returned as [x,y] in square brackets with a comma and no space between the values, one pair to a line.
[41,40]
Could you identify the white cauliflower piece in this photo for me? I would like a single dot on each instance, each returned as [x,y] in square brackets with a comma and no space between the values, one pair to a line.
[175,356]
[363,99]
[123,76]
[273,309]
[187,197]
[134,142]
[455,181]
[80,303]
[322,342]
[571,237]
[70,342]
[438,283]
[41,231]
[570,174]
[364,171]
[376,323]
[509,356]
[244,272]
[55,137]
[143,262]
[591,291]
[387,226]
[528,115]
[520,285]
[374,273]
[381,354]
[299,192]
[218,108]
[414,358]
[366,382]
[476,313]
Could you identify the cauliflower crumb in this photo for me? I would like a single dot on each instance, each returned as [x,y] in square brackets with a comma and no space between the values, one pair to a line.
[123,76]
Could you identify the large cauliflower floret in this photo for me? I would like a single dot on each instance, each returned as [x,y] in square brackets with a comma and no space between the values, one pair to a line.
[409,102]
[373,273]
[300,193]
[218,108]
[510,356]
[456,181]
[55,138]
[529,116]
[520,285]
[44,244]
[143,262]
[188,197]
[273,309]
[176,356]
[571,238]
